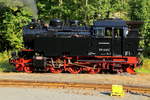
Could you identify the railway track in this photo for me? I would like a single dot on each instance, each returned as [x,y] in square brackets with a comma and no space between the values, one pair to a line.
[99,87]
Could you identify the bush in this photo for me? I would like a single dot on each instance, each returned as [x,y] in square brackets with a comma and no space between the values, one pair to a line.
[145,67]
[146,52]
[4,62]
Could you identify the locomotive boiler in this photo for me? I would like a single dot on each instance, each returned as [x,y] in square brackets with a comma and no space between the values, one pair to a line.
[107,46]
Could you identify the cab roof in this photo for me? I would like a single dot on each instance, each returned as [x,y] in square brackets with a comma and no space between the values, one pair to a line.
[110,23]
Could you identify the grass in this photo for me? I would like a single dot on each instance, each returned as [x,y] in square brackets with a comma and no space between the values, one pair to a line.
[4,62]
[145,67]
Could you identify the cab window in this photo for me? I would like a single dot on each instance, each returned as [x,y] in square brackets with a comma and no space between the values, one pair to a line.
[99,31]
[118,32]
[108,32]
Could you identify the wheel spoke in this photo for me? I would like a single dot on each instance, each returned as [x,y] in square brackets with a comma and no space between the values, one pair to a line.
[19,67]
[94,71]
[28,69]
[74,70]
[55,70]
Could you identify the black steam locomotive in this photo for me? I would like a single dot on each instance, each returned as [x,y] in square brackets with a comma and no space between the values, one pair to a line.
[110,45]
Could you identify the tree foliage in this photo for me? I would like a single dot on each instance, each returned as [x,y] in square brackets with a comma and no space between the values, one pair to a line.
[12,20]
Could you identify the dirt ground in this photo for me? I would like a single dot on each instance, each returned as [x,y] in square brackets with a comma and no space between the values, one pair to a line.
[61,94]
[142,80]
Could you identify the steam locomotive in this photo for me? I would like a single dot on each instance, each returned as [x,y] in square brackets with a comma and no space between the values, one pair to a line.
[110,45]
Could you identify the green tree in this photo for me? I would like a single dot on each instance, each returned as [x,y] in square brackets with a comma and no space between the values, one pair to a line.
[12,21]
[145,16]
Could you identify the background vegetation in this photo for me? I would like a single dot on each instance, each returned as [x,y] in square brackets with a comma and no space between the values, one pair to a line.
[14,14]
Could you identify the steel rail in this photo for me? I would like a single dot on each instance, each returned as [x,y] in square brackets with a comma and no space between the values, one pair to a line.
[99,87]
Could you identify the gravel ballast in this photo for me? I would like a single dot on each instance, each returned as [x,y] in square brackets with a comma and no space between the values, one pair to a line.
[142,80]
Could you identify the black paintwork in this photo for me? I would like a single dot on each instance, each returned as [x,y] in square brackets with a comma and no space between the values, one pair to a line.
[82,40]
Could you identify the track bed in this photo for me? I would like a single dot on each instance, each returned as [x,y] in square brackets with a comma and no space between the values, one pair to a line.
[142,80]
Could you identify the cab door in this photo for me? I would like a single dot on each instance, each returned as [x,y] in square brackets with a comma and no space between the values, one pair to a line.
[117,41]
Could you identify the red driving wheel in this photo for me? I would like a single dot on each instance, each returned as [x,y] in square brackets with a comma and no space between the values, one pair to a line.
[74,70]
[55,70]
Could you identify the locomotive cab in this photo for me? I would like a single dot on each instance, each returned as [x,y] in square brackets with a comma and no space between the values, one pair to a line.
[109,37]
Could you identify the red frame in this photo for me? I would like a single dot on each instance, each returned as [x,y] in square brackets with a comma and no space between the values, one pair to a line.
[97,64]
